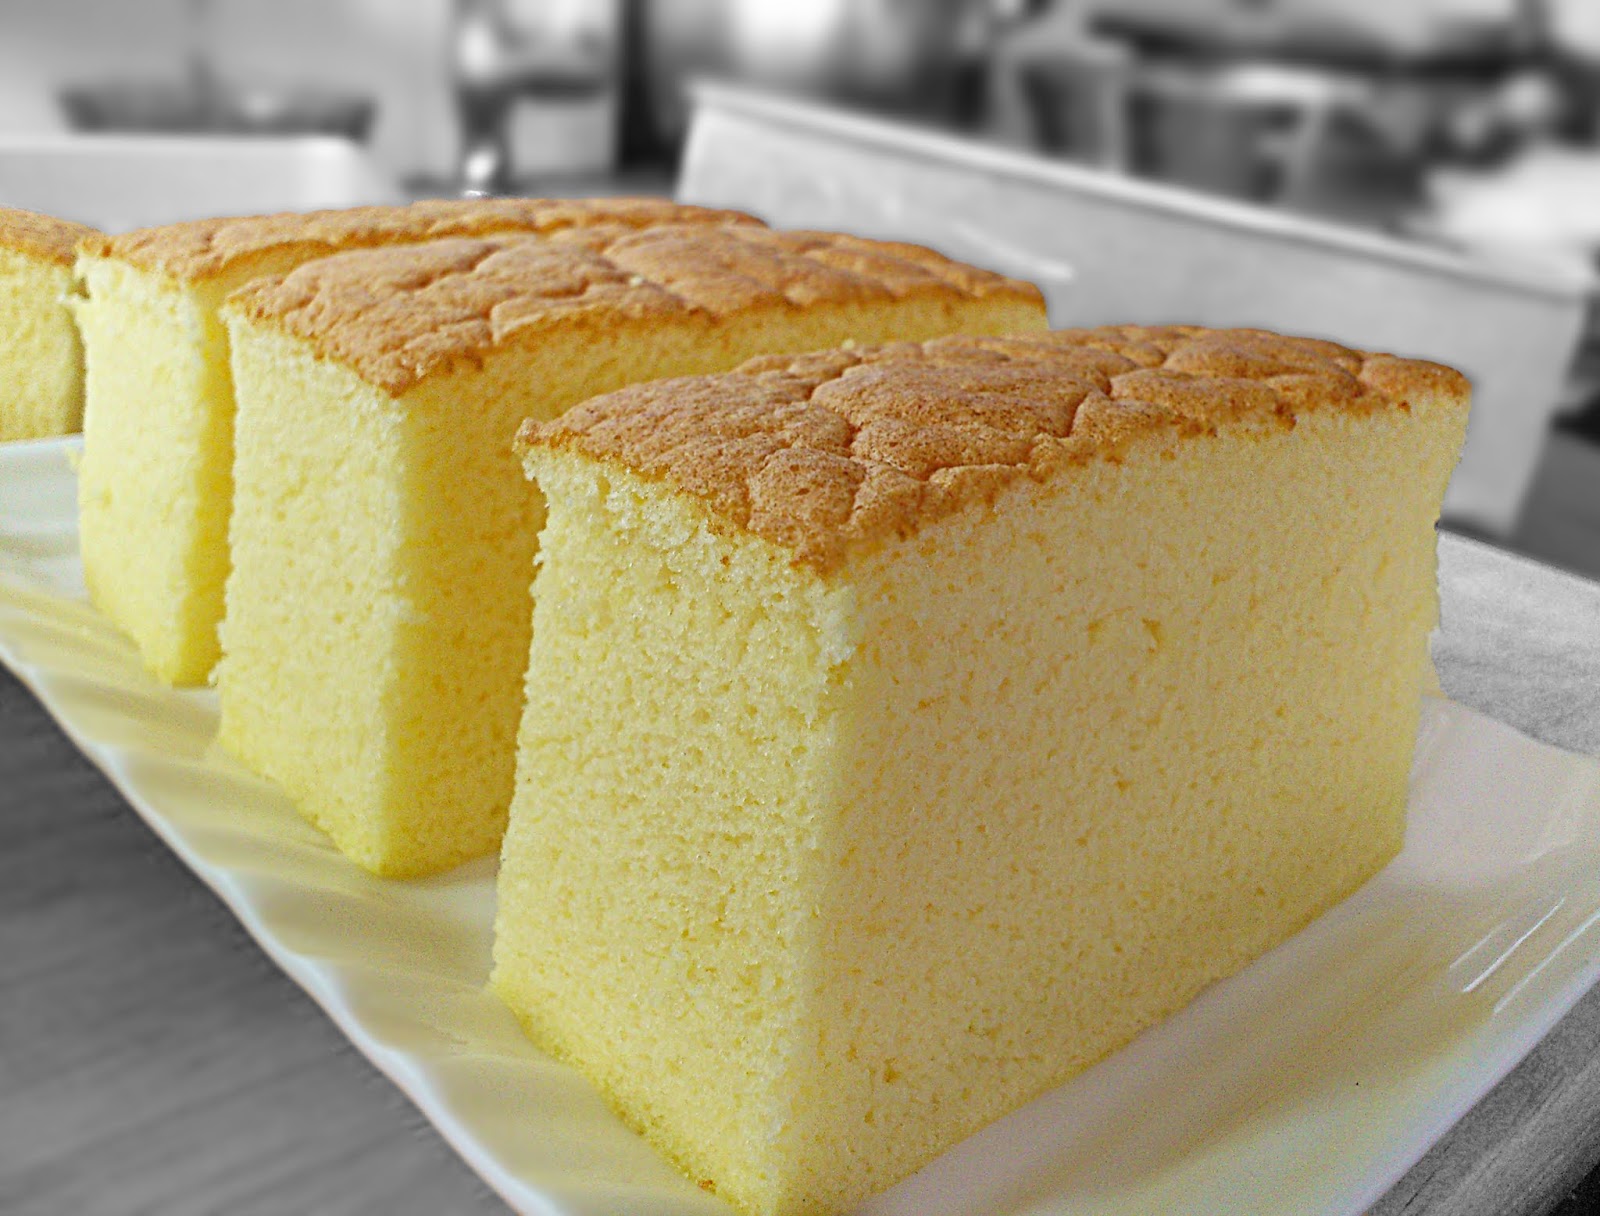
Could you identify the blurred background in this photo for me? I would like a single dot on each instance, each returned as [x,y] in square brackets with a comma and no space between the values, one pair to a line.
[1347,150]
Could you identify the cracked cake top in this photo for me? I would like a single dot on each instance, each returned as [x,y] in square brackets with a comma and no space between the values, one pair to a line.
[829,452]
[397,315]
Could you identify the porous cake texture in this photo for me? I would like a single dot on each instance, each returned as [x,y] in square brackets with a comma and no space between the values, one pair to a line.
[156,478]
[383,535]
[41,361]
[907,729]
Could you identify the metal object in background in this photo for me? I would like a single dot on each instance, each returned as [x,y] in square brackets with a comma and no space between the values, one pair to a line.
[494,64]
[923,57]
[1106,248]
[888,54]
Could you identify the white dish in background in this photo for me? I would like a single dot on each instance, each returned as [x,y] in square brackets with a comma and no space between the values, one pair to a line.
[1307,1084]
[118,182]
[1106,248]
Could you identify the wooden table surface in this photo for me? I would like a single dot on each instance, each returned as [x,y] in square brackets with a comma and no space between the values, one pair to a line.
[152,1060]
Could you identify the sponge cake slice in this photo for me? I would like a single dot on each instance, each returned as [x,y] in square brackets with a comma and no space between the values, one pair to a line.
[383,535]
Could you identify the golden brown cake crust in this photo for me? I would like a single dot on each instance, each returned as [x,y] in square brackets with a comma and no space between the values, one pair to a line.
[396,315]
[831,452]
[202,249]
[41,236]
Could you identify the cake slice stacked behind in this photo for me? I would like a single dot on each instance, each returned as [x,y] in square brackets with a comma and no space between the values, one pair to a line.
[156,480]
[907,729]
[41,361]
[383,535]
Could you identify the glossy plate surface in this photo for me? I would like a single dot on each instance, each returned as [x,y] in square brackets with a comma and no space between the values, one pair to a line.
[1306,1084]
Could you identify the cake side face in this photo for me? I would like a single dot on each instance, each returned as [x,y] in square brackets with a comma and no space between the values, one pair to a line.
[155,478]
[41,365]
[321,611]
[1078,744]
[644,616]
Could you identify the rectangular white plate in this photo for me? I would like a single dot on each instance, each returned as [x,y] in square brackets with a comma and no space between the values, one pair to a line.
[1307,1084]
